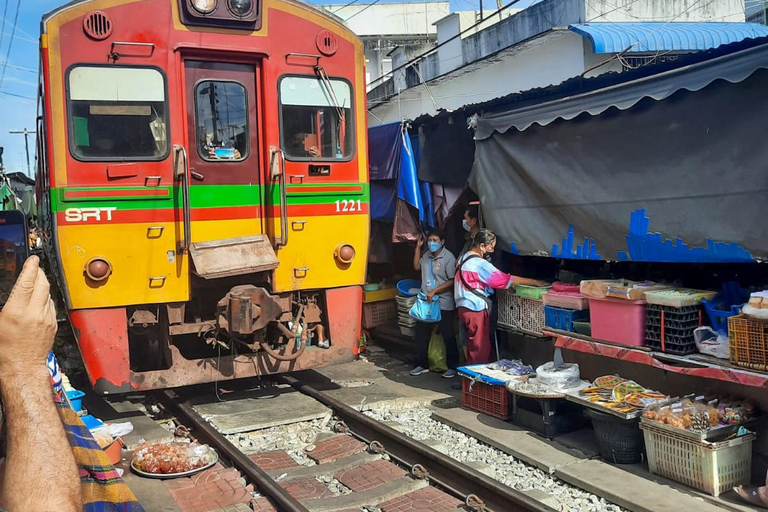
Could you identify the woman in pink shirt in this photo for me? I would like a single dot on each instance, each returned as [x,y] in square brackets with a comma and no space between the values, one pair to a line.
[475,281]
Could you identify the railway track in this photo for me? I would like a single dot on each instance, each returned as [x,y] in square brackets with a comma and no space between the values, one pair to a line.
[378,466]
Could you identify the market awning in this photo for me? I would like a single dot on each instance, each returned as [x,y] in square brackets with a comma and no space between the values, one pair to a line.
[732,67]
[665,37]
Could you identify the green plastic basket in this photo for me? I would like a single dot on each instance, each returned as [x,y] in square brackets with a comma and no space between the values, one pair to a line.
[530,292]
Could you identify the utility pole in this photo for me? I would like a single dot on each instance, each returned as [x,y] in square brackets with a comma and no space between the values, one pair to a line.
[26,134]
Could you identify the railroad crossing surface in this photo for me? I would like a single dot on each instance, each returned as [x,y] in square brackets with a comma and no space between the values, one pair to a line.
[287,434]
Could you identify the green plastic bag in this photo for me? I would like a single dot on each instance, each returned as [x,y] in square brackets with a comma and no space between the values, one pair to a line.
[436,353]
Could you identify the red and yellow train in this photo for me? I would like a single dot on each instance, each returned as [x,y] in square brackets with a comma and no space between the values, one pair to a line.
[203,182]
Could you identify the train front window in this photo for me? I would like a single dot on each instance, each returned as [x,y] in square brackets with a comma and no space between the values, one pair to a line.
[117,113]
[221,113]
[316,118]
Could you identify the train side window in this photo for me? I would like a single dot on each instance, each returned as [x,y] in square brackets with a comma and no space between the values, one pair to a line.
[316,118]
[221,114]
[117,113]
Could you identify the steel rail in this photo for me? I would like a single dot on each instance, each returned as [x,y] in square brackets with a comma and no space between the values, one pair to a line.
[445,471]
[282,500]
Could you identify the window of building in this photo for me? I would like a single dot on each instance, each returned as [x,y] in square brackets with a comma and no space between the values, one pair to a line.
[221,114]
[316,118]
[117,113]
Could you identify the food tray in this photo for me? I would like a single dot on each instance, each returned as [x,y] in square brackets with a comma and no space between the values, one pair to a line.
[678,298]
[530,292]
[711,435]
[709,467]
[160,476]
[578,301]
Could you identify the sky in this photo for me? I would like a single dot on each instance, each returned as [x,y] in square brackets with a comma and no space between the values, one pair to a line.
[19,57]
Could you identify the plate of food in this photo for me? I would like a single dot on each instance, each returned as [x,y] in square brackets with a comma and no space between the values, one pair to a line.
[172,460]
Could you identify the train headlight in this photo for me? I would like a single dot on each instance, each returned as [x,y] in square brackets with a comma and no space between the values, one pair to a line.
[204,6]
[241,8]
[344,253]
[98,269]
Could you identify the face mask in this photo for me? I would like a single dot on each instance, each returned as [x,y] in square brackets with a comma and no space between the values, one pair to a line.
[465,225]
[434,246]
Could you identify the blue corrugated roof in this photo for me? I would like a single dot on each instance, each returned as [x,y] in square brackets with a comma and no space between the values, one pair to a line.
[676,36]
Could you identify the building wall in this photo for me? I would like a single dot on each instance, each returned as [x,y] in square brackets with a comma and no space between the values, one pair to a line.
[514,70]
[663,10]
[390,18]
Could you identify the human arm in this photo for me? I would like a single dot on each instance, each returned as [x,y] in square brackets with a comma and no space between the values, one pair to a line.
[526,281]
[39,454]
[448,285]
[417,254]
[314,152]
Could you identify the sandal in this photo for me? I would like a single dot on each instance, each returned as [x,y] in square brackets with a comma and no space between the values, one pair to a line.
[753,495]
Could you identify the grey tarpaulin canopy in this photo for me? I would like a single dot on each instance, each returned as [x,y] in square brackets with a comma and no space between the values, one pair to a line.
[663,167]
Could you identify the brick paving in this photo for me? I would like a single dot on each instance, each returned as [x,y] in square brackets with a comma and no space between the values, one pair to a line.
[369,475]
[277,459]
[263,505]
[306,488]
[335,448]
[210,490]
[428,499]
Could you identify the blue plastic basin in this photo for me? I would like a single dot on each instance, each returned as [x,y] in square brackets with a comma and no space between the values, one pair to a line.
[406,285]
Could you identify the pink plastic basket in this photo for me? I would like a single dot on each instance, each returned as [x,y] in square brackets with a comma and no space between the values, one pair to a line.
[618,321]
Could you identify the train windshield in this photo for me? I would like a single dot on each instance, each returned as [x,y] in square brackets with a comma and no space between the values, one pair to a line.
[117,113]
[316,118]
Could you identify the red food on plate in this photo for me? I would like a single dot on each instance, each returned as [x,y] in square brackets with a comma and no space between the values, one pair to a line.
[171,458]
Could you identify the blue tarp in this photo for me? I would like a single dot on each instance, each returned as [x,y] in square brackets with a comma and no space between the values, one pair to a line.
[394,161]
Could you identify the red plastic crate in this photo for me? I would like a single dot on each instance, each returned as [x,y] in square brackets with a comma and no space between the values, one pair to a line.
[486,398]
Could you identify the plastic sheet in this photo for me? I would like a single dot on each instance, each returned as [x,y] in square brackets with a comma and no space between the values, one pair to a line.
[712,343]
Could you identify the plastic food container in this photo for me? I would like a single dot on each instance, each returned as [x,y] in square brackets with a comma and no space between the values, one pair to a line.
[618,321]
[76,399]
[530,292]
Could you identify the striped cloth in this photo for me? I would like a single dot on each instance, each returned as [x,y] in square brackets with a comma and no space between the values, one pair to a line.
[102,488]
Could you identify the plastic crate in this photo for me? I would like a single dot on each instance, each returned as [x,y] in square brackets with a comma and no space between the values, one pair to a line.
[618,321]
[675,325]
[531,316]
[558,318]
[712,467]
[748,342]
[530,292]
[509,309]
[379,313]
[489,399]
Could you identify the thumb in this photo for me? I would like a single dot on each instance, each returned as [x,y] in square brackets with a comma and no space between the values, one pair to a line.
[25,284]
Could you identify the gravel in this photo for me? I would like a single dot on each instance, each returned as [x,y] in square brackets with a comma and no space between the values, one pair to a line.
[418,424]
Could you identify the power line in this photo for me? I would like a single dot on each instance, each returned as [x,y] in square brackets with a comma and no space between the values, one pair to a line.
[345,6]
[2,29]
[10,43]
[363,9]
[423,54]
[30,98]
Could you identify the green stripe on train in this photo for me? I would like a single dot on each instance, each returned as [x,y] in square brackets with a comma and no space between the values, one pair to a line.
[202,196]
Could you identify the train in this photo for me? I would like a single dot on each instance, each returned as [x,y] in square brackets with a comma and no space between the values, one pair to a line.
[202,182]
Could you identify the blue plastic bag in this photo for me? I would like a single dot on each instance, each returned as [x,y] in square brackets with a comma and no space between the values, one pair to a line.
[425,311]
